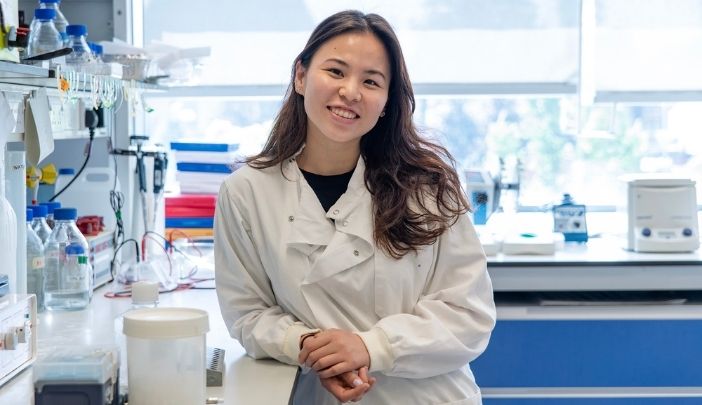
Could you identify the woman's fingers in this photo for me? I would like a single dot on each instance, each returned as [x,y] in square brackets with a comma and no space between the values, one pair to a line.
[312,344]
[351,379]
[341,391]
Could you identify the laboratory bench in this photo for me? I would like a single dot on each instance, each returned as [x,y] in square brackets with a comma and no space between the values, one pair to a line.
[245,381]
[594,324]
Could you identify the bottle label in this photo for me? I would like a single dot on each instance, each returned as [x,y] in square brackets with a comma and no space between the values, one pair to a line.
[37,262]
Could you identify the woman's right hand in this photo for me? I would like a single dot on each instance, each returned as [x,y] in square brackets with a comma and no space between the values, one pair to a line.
[349,386]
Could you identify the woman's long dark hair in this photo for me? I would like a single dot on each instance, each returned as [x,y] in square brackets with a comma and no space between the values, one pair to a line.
[416,194]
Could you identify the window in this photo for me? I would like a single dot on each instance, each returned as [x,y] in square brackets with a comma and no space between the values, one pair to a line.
[493,78]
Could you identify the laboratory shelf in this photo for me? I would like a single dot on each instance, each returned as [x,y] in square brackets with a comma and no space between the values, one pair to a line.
[11,72]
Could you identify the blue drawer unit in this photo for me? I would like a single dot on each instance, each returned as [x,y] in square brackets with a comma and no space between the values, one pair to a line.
[594,401]
[592,353]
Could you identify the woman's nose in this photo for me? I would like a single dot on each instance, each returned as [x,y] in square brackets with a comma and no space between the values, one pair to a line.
[350,92]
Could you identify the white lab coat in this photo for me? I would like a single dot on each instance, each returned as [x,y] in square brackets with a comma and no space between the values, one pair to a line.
[283,269]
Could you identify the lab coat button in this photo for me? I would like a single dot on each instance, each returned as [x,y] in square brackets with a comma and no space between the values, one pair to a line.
[336,212]
[345,223]
[291,218]
[355,253]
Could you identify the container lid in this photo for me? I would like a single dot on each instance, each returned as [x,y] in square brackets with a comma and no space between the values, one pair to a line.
[30,214]
[656,180]
[39,210]
[45,13]
[67,170]
[165,323]
[51,205]
[76,29]
[78,364]
[75,249]
[661,182]
[49,1]
[62,214]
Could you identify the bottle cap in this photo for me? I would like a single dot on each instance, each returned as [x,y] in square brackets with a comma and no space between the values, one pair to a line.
[62,214]
[44,13]
[39,211]
[76,30]
[51,205]
[49,1]
[75,249]
[66,170]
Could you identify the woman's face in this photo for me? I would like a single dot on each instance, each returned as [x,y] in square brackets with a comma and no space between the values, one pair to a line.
[345,88]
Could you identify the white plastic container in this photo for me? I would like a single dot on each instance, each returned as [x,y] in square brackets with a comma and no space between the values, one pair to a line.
[166,355]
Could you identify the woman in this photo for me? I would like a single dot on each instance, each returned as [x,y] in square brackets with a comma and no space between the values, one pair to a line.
[344,245]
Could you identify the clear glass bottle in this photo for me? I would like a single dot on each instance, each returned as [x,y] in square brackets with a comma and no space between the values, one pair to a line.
[68,283]
[42,229]
[77,41]
[44,37]
[35,263]
[51,206]
[60,20]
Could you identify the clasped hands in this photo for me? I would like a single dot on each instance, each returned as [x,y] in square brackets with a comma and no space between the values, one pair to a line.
[341,361]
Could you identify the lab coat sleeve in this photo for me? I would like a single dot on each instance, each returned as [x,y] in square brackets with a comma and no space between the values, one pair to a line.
[452,321]
[246,299]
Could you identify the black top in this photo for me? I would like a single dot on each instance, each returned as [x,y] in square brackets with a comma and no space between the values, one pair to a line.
[328,188]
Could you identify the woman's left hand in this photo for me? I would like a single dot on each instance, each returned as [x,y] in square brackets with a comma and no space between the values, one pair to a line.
[333,352]
[350,386]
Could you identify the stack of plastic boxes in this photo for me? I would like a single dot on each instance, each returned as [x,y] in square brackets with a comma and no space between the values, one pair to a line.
[190,216]
[201,169]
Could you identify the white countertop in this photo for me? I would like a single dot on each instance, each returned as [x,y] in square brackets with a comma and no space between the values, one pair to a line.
[246,381]
[597,251]
[602,264]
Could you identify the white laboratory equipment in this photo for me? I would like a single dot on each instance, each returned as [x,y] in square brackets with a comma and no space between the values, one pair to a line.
[18,321]
[8,230]
[661,214]
[89,193]
[15,194]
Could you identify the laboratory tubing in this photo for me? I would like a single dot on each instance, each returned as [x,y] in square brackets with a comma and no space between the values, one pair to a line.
[39,224]
[68,283]
[44,37]
[35,263]
[166,355]
[51,206]
[60,20]
[76,40]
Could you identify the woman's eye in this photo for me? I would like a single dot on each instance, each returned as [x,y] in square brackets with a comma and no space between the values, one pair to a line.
[372,83]
[334,71]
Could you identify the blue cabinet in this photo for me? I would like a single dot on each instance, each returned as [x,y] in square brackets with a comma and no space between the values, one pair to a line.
[591,354]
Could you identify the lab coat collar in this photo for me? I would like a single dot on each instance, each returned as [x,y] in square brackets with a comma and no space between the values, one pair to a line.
[311,226]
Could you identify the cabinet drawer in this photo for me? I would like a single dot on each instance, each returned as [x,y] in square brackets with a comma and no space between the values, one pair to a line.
[592,353]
